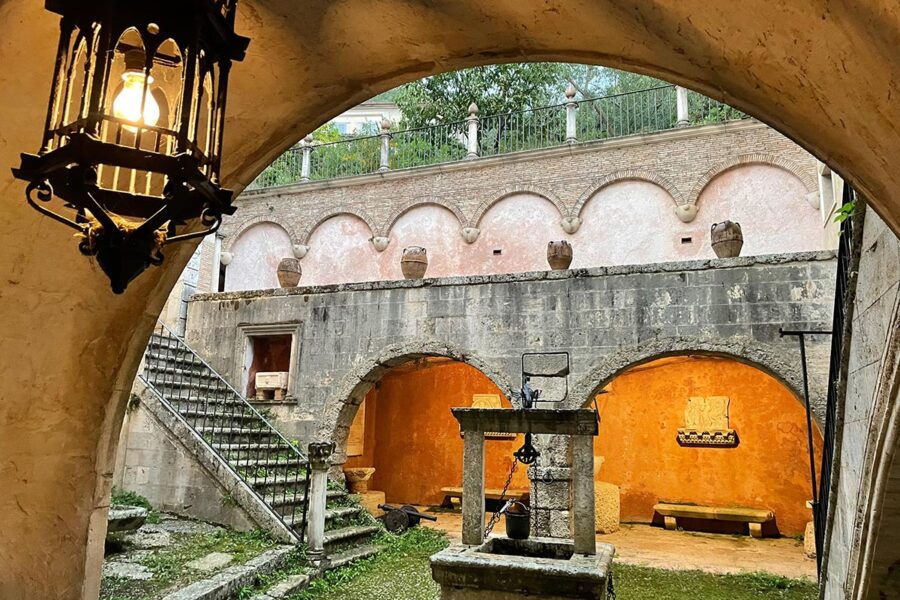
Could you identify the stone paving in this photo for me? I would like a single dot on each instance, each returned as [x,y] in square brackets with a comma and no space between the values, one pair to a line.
[650,546]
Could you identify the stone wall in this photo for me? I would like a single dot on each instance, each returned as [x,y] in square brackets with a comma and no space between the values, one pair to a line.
[608,319]
[866,417]
[155,463]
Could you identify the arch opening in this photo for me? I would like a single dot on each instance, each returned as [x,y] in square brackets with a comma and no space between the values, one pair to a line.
[402,427]
[665,426]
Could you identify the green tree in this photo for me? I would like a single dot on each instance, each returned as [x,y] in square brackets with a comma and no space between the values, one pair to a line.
[495,89]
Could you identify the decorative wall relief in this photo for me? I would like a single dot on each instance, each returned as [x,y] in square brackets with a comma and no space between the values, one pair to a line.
[706,423]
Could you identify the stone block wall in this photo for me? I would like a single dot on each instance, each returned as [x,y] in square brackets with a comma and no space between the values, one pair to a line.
[607,319]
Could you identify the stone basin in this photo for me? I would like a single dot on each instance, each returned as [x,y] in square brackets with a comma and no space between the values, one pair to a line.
[358,478]
[125,518]
[506,569]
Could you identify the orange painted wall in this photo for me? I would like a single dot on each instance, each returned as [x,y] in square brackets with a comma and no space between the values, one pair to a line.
[413,441]
[769,468]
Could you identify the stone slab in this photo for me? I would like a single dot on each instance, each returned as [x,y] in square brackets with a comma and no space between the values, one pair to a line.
[538,420]
[211,562]
[228,583]
[127,570]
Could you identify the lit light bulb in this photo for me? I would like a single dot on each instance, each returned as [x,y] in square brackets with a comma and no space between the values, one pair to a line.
[127,104]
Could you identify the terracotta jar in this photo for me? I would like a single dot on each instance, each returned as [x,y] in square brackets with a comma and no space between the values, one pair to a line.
[559,255]
[414,262]
[289,272]
[726,239]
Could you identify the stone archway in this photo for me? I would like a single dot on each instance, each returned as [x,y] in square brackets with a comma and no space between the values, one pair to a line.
[824,76]
[774,361]
[343,402]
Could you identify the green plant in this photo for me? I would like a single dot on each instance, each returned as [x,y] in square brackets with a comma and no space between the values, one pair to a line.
[122,497]
[845,211]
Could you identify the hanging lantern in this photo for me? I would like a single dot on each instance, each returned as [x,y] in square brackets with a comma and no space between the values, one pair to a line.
[133,138]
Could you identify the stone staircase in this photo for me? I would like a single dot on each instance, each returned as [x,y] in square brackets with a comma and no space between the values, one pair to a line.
[272,469]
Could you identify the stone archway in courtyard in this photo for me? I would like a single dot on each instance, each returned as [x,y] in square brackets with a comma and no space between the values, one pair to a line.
[824,77]
[651,452]
[343,403]
[397,421]
[782,365]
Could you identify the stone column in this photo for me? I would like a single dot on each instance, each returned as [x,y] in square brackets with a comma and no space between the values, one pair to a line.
[684,117]
[473,488]
[306,147]
[551,480]
[571,107]
[583,493]
[385,162]
[472,122]
[319,455]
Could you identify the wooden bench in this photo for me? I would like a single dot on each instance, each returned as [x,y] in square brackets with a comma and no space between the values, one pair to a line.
[489,494]
[754,517]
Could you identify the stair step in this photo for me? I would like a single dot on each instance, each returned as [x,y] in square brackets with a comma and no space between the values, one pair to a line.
[283,501]
[345,557]
[341,512]
[163,370]
[344,534]
[250,446]
[234,430]
[209,414]
[269,462]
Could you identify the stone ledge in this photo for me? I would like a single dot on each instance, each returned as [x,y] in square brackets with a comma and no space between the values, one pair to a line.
[664,267]
[228,583]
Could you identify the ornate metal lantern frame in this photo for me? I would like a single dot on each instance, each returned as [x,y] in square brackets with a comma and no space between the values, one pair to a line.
[132,143]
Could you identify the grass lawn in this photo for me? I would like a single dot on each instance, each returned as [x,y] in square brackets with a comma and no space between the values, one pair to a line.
[402,572]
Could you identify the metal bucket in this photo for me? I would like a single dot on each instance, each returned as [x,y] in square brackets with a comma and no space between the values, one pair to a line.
[518,524]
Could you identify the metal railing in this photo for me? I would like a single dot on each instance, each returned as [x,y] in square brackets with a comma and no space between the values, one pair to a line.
[272,467]
[520,131]
[836,374]
[631,113]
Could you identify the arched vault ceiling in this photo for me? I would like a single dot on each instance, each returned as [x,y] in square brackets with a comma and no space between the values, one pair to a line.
[824,73]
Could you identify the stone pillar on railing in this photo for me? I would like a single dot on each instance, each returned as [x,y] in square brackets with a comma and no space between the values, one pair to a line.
[319,459]
[681,96]
[472,137]
[571,107]
[385,163]
[305,147]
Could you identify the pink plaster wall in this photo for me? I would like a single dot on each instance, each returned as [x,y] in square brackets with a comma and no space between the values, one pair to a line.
[520,226]
[257,253]
[628,222]
[340,251]
[770,205]
[434,228]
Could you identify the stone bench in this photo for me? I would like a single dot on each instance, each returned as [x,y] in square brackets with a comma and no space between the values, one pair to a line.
[754,517]
[489,494]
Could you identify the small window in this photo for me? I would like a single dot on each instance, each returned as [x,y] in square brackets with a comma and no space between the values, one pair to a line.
[498,251]
[687,240]
[269,353]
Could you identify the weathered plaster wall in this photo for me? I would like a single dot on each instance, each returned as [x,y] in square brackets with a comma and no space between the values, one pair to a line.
[624,194]
[257,252]
[643,409]
[608,319]
[868,412]
[413,441]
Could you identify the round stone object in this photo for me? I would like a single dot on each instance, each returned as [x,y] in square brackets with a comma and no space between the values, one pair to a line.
[289,272]
[414,262]
[559,255]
